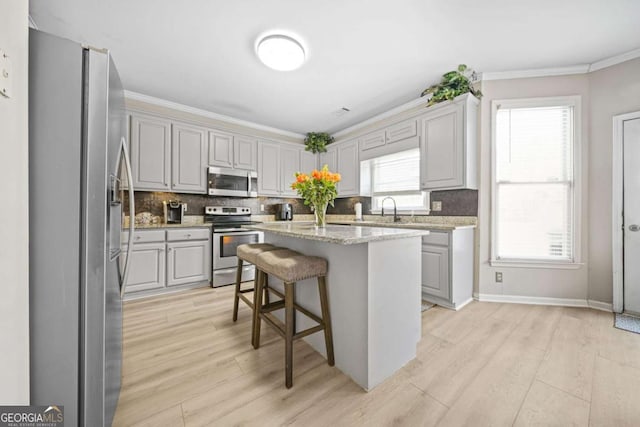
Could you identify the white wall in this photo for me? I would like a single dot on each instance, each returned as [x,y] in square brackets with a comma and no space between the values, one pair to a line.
[605,93]
[614,90]
[571,284]
[14,223]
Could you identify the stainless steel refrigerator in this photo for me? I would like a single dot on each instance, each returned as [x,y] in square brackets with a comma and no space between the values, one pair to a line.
[78,172]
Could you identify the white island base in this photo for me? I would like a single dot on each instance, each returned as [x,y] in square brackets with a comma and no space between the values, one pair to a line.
[374,299]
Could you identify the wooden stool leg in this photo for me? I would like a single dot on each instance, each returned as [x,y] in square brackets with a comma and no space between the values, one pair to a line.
[288,323]
[266,289]
[236,297]
[253,313]
[257,305]
[326,317]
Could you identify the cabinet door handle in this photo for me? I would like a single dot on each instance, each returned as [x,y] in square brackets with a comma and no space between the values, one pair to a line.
[188,236]
[137,237]
[169,250]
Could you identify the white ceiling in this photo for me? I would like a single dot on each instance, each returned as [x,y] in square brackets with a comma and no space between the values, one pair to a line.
[367,55]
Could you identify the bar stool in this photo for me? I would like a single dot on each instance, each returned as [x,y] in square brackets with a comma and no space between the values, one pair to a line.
[291,267]
[248,253]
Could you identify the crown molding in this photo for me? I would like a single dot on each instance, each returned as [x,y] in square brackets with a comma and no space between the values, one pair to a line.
[608,62]
[209,114]
[540,72]
[394,111]
[561,71]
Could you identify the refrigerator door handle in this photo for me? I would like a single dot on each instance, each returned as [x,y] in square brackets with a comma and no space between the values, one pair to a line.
[132,215]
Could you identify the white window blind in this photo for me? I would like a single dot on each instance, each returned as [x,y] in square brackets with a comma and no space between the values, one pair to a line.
[398,175]
[534,184]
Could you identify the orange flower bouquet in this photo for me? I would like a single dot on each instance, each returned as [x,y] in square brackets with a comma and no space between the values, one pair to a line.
[318,190]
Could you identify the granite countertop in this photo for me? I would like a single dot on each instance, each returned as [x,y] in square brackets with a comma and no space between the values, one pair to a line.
[405,225]
[340,234]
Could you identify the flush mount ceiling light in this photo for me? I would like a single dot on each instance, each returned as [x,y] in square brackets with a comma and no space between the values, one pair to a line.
[280,52]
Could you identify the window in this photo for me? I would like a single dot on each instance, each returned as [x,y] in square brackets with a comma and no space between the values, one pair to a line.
[397,175]
[534,200]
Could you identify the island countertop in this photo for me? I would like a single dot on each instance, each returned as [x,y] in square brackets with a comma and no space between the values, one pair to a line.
[339,234]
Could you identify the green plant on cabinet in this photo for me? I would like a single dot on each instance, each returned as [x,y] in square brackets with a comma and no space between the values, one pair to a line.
[317,142]
[454,83]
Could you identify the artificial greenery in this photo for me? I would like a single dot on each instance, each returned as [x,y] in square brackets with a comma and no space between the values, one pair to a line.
[317,142]
[453,83]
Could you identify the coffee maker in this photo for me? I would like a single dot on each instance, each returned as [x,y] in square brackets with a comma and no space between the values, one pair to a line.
[284,212]
[173,212]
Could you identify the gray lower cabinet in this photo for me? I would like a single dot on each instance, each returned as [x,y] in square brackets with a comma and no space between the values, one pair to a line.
[188,262]
[147,267]
[435,271]
[447,267]
[163,259]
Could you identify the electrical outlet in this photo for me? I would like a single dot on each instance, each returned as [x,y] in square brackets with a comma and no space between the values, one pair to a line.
[498,277]
[436,206]
[261,208]
[184,207]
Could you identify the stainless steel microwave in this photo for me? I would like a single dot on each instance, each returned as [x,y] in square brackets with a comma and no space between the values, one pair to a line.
[232,182]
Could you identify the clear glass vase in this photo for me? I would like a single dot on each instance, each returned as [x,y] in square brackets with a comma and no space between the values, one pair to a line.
[320,212]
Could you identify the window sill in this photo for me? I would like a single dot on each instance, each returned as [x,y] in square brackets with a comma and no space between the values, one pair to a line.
[537,264]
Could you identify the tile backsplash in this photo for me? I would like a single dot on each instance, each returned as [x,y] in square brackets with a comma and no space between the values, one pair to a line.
[454,203]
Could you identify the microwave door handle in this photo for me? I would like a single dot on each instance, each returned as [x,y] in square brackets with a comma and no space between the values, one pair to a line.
[132,215]
[249,184]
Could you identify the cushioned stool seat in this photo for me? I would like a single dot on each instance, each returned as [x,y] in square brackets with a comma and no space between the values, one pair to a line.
[291,267]
[249,252]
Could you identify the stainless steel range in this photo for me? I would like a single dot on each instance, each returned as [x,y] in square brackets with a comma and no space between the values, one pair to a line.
[228,233]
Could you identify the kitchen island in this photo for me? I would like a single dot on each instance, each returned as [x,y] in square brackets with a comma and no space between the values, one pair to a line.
[374,293]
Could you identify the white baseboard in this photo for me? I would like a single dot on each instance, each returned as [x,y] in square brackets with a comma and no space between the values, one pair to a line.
[464,303]
[564,302]
[599,305]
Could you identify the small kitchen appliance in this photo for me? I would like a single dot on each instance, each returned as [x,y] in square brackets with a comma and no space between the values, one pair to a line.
[227,222]
[232,182]
[173,212]
[284,212]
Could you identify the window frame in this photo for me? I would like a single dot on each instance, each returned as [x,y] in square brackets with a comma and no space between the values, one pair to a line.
[421,210]
[576,103]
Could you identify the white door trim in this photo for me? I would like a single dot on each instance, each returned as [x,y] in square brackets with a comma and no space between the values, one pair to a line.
[617,207]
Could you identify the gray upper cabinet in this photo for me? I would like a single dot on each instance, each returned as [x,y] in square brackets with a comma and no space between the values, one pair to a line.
[245,153]
[400,131]
[308,161]
[277,167]
[150,153]
[289,165]
[448,146]
[269,169]
[349,169]
[189,159]
[372,140]
[220,149]
[330,158]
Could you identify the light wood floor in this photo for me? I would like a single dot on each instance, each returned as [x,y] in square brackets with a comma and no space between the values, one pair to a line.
[186,363]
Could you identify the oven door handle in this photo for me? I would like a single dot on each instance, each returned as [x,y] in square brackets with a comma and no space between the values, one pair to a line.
[236,233]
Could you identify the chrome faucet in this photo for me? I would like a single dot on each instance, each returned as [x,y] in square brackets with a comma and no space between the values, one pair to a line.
[396,218]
